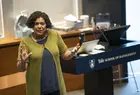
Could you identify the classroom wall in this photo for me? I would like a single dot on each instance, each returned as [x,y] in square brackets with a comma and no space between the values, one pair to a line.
[56,9]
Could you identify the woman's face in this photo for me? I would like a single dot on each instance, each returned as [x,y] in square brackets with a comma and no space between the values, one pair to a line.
[40,27]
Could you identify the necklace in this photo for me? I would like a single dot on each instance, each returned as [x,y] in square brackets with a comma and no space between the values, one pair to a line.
[38,39]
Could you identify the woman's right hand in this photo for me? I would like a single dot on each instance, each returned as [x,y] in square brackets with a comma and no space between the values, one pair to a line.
[24,55]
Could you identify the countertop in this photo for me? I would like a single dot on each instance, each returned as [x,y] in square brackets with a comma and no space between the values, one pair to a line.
[4,42]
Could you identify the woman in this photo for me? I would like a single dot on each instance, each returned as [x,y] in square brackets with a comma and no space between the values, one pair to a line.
[39,55]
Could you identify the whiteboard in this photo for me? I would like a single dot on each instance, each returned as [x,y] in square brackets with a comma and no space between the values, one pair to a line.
[56,9]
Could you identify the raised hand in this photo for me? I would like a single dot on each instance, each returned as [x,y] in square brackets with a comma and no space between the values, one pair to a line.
[24,55]
[76,48]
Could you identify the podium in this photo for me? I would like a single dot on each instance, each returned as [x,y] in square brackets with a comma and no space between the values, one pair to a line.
[97,68]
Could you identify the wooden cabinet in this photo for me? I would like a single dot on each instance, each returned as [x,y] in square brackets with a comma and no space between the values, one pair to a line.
[11,81]
[8,56]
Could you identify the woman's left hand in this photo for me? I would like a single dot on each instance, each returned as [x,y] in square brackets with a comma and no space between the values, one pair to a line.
[76,48]
[70,53]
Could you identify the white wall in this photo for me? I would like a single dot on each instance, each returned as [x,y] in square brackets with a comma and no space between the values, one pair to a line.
[56,9]
[1,20]
[133,18]
[8,15]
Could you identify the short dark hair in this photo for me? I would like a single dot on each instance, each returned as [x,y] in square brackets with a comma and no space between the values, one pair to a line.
[37,14]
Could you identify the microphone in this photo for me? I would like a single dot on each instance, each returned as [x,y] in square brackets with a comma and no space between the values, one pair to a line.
[103,35]
[81,38]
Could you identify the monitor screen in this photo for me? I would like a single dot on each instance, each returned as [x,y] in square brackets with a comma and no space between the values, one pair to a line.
[113,35]
[88,46]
